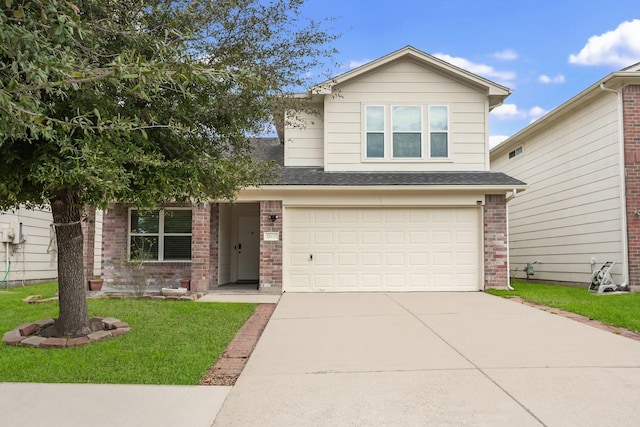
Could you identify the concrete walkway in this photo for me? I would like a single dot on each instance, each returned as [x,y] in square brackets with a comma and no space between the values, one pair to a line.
[445,359]
[108,405]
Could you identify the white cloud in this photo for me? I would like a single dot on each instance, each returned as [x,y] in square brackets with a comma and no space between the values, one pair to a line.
[536,112]
[355,63]
[513,112]
[506,55]
[620,47]
[508,111]
[496,139]
[549,79]
[484,70]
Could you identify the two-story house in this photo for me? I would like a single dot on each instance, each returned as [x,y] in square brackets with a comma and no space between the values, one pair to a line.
[384,185]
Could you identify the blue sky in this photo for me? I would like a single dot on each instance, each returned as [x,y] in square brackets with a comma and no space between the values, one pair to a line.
[545,51]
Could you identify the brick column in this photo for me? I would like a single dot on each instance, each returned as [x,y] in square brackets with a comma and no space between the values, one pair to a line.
[495,242]
[200,247]
[631,125]
[88,241]
[114,242]
[271,251]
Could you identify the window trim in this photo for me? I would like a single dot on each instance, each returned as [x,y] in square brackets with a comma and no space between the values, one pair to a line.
[161,234]
[515,152]
[447,132]
[384,132]
[425,139]
[420,132]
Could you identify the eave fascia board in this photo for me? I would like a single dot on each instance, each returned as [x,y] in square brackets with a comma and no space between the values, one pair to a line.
[460,188]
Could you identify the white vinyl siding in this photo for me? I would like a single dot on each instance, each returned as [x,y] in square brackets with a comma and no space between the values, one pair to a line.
[351,249]
[304,139]
[406,83]
[571,211]
[36,258]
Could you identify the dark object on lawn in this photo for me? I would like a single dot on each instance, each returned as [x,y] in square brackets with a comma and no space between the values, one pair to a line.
[602,282]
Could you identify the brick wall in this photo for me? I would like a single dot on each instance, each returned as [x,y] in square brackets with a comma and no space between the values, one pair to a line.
[271,252]
[201,248]
[115,268]
[495,242]
[631,122]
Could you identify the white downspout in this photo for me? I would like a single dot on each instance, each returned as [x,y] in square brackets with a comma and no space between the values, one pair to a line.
[510,196]
[623,182]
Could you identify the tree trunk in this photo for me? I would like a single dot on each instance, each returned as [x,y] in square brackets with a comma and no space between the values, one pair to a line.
[67,215]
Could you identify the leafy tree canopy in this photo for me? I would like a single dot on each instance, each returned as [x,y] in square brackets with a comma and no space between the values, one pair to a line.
[143,101]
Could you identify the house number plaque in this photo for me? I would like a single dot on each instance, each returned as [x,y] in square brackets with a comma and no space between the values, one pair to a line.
[271,236]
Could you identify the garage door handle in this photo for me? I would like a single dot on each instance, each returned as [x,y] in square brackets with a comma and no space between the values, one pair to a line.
[310,257]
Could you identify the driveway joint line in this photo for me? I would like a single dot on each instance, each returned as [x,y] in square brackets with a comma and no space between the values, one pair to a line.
[512,397]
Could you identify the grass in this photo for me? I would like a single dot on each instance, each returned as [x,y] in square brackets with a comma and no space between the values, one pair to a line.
[170,342]
[618,310]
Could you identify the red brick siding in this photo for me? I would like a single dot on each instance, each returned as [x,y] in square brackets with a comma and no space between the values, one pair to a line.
[631,124]
[496,274]
[114,253]
[270,252]
[200,248]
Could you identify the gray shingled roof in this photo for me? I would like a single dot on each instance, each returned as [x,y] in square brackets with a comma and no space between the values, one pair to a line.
[272,149]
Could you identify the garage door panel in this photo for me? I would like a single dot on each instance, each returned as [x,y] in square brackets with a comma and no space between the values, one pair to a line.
[378,249]
[323,238]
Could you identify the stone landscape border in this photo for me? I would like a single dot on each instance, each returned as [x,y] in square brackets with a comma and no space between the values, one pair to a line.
[26,334]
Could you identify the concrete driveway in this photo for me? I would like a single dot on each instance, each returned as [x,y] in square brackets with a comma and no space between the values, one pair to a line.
[416,359]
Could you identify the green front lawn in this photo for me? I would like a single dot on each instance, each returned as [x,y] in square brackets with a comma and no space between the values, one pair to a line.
[618,310]
[170,342]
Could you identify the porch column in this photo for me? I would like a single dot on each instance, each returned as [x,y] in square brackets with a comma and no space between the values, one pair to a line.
[88,241]
[271,247]
[496,274]
[200,247]
[215,243]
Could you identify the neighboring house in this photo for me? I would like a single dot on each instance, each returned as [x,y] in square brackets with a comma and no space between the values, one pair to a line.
[386,188]
[28,252]
[582,164]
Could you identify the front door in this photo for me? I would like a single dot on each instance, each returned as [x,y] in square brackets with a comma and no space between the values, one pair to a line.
[248,248]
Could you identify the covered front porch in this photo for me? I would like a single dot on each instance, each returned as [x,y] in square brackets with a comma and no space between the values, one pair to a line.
[231,244]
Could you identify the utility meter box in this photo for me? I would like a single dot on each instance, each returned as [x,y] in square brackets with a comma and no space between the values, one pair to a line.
[6,234]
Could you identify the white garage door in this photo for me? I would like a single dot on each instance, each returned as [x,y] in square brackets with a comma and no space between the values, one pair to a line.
[382,249]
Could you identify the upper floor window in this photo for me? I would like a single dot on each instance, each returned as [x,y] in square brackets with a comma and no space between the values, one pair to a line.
[439,131]
[375,118]
[405,138]
[160,235]
[407,131]
[515,152]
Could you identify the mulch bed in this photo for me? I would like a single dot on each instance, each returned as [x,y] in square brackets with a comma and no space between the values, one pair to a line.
[230,365]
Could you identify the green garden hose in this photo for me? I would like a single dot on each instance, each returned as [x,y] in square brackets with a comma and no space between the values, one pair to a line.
[4,279]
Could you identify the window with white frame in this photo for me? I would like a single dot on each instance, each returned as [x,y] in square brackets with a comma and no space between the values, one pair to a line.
[397,132]
[515,152]
[438,131]
[406,129]
[160,235]
[375,130]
